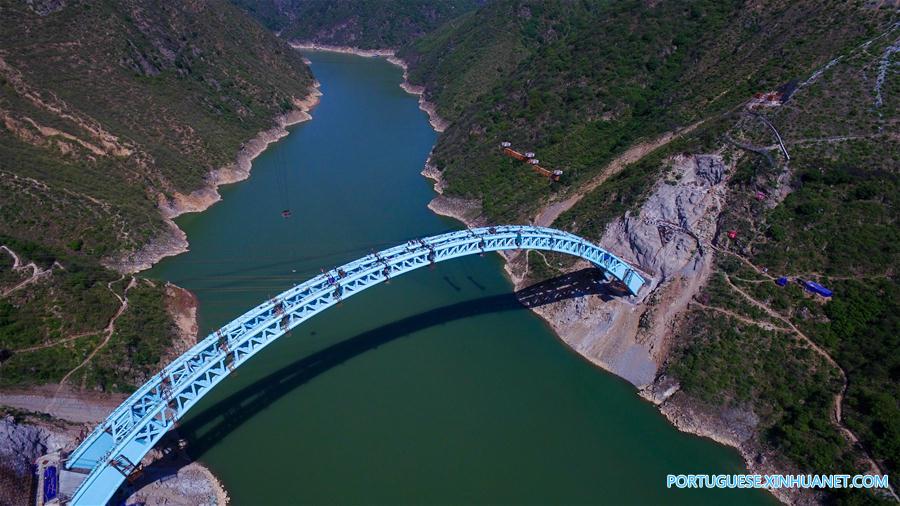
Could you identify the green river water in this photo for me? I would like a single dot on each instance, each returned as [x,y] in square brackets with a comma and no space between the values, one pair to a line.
[435,388]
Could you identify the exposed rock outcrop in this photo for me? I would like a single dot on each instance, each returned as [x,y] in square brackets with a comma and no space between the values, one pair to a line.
[467,211]
[20,444]
[182,307]
[44,7]
[666,240]
[432,172]
[187,485]
[735,427]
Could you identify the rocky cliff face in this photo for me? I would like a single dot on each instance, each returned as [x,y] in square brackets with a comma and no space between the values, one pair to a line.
[667,240]
[666,237]
[20,444]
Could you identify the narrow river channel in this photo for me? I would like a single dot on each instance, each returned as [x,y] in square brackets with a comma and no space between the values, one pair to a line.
[435,388]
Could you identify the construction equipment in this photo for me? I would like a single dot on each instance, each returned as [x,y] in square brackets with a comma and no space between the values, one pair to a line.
[763,100]
[128,468]
[552,174]
[514,154]
[529,158]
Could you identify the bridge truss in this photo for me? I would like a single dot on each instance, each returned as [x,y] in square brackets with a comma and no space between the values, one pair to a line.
[108,455]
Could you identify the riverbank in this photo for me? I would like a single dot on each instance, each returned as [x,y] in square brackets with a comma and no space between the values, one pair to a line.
[437,123]
[53,418]
[467,211]
[431,318]
[734,427]
[174,240]
[173,478]
[85,409]
[45,419]
[632,339]
[27,435]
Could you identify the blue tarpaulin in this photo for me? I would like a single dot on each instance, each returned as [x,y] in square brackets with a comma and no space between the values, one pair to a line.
[51,483]
[814,287]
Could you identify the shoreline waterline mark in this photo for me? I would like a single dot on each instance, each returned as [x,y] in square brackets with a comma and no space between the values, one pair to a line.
[776,481]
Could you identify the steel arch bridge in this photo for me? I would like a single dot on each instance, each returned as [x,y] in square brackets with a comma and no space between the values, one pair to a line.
[115,447]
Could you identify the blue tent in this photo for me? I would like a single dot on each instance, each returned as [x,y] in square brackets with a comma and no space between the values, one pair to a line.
[816,288]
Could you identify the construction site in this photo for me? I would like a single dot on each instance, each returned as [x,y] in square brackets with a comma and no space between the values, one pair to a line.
[528,157]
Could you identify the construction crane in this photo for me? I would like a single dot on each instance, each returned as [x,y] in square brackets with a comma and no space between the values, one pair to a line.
[529,158]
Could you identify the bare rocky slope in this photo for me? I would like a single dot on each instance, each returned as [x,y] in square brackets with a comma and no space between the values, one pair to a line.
[20,445]
[668,238]
[170,478]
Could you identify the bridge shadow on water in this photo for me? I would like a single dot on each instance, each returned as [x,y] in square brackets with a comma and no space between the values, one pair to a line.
[209,427]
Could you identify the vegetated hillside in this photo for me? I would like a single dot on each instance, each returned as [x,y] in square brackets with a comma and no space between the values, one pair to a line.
[578,82]
[840,226]
[365,24]
[106,107]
